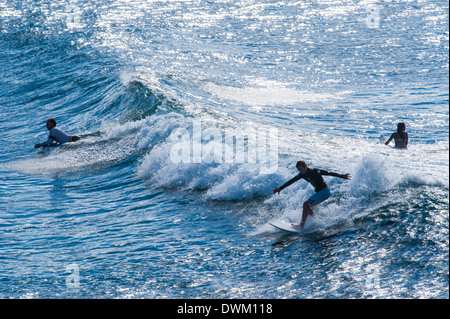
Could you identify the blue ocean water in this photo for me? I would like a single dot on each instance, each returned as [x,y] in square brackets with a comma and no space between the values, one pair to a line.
[156,200]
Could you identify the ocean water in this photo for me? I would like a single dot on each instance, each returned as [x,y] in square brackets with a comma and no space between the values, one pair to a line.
[191,113]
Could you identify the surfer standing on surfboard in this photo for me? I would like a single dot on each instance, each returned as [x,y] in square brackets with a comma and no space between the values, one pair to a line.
[56,135]
[314,176]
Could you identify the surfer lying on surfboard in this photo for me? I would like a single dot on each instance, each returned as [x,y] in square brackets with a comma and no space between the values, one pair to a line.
[56,136]
[314,176]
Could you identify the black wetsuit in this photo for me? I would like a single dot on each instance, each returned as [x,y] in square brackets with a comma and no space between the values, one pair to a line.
[314,176]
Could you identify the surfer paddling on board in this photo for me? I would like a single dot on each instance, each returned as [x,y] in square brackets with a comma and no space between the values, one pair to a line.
[56,135]
[400,137]
[314,176]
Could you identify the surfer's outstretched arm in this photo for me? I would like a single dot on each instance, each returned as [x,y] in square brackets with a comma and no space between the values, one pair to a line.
[46,143]
[344,176]
[290,182]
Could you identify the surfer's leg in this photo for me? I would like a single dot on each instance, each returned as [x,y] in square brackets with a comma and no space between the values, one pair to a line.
[315,200]
[307,211]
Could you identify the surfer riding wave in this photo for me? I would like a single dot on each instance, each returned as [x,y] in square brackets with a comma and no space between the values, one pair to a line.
[313,176]
[56,136]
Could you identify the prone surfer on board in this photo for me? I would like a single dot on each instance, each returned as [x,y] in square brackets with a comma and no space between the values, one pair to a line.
[314,176]
[56,135]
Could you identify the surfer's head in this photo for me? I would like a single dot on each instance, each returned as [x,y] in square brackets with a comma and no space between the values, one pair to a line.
[401,127]
[51,123]
[301,166]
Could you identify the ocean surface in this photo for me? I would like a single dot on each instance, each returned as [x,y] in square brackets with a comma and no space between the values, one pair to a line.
[191,113]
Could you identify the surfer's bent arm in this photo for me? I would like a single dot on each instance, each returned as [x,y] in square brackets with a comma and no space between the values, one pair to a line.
[390,139]
[46,143]
[323,172]
[290,182]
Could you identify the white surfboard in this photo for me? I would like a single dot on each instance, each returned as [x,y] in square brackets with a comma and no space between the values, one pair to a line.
[285,225]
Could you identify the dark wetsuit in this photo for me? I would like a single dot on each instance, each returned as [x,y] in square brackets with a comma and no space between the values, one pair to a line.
[314,176]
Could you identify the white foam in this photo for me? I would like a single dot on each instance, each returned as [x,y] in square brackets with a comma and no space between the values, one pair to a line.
[70,158]
[373,174]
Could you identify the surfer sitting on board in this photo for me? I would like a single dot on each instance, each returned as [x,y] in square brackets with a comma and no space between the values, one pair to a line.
[56,135]
[314,176]
[400,137]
